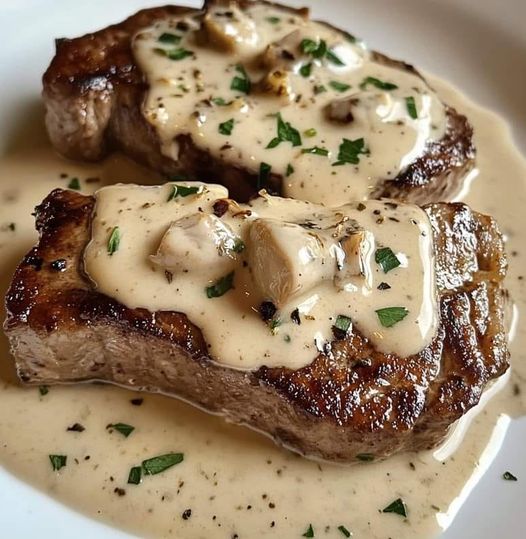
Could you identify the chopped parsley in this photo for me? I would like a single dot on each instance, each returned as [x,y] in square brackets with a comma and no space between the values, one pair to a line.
[343,323]
[508,476]
[411,107]
[398,507]
[175,54]
[171,39]
[365,457]
[389,316]
[76,427]
[386,259]
[74,184]
[331,56]
[114,240]
[309,532]
[339,86]
[220,102]
[316,150]
[274,325]
[306,69]
[285,133]
[161,463]
[349,151]
[380,84]
[344,531]
[264,174]
[319,89]
[123,428]
[58,461]
[316,50]
[43,390]
[135,475]
[290,170]
[241,82]
[221,286]
[383,286]
[272,20]
[182,191]
[310,132]
[225,128]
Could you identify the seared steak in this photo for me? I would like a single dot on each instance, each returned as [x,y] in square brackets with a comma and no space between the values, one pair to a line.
[93,91]
[356,404]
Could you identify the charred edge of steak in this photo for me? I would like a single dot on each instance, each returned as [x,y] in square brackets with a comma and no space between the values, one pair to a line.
[357,387]
[107,90]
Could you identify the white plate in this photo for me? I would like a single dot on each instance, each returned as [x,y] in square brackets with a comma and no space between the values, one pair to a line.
[479,45]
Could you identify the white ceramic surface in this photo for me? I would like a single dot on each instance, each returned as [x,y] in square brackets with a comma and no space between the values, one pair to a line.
[479,45]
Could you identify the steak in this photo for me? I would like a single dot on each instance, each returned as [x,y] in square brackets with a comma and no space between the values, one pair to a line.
[93,91]
[354,404]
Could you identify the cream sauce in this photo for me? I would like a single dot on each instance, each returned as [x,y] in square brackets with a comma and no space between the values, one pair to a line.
[251,487]
[232,325]
[183,93]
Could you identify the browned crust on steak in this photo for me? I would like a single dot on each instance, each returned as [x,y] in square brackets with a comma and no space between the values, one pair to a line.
[93,92]
[355,401]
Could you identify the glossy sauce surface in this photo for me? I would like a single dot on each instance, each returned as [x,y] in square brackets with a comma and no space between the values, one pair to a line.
[310,239]
[349,96]
[235,481]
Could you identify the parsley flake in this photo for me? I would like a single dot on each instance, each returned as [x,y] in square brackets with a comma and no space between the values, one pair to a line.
[310,132]
[272,20]
[508,476]
[386,259]
[411,107]
[290,170]
[339,86]
[349,152]
[285,133]
[114,241]
[174,54]
[398,507]
[167,37]
[43,390]
[309,532]
[343,323]
[389,316]
[306,69]
[264,174]
[135,475]
[316,150]
[221,286]
[241,83]
[344,531]
[58,461]
[182,191]
[332,57]
[380,84]
[225,128]
[74,184]
[123,428]
[161,463]
[365,457]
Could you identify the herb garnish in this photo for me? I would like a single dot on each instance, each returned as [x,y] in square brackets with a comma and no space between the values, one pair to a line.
[220,102]
[182,191]
[264,174]
[161,463]
[272,20]
[316,150]
[306,69]
[174,54]
[344,531]
[309,532]
[508,476]
[76,427]
[74,184]
[274,325]
[343,323]
[319,89]
[383,286]
[241,83]
[43,390]
[349,151]
[286,133]
[339,86]
[114,240]
[135,475]
[123,428]
[398,507]
[225,128]
[319,50]
[290,170]
[411,107]
[239,245]
[331,56]
[167,37]
[365,457]
[221,286]
[390,316]
[386,259]
[380,84]
[58,461]
[310,132]
[295,316]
